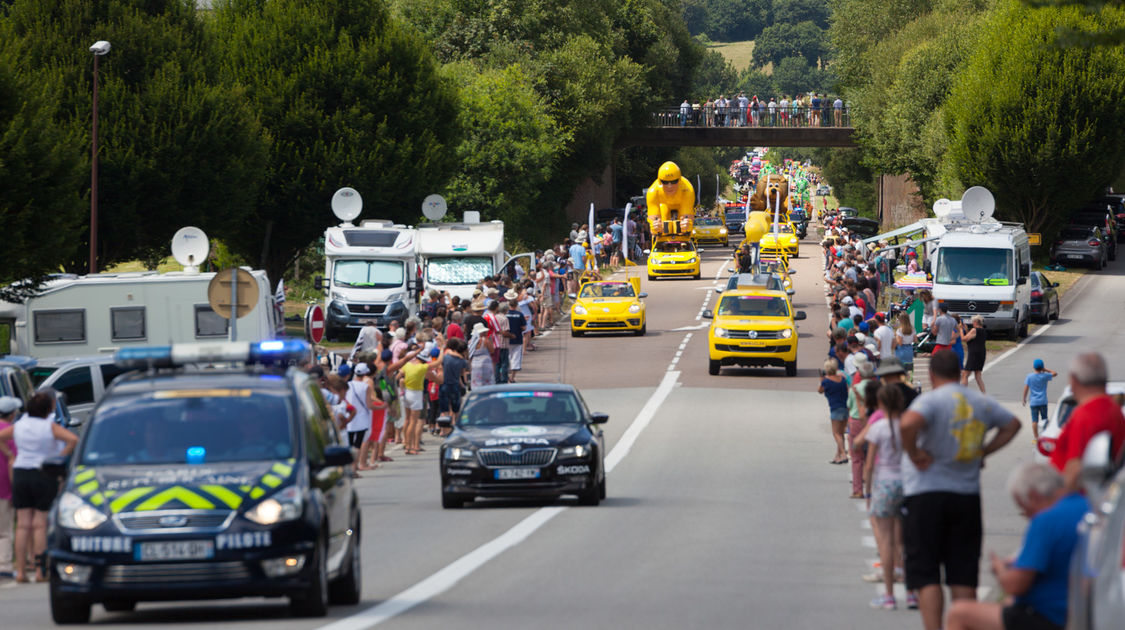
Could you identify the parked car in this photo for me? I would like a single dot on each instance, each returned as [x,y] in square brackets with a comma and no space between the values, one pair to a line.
[1044,298]
[15,382]
[1050,428]
[83,379]
[861,225]
[848,212]
[1100,216]
[1118,203]
[1080,243]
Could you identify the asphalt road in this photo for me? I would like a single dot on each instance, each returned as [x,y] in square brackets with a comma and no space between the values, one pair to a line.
[722,512]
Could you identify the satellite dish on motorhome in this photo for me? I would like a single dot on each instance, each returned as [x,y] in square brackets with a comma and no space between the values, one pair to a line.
[942,208]
[978,204]
[190,248]
[347,204]
[433,206]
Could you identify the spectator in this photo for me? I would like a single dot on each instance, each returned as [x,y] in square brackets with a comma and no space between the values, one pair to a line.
[480,356]
[904,342]
[943,328]
[835,390]
[884,337]
[1096,412]
[974,338]
[1035,391]
[517,322]
[9,407]
[943,437]
[1037,577]
[838,112]
[857,420]
[883,488]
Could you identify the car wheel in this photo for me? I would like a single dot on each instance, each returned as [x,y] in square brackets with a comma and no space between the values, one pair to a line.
[1023,330]
[1058,310]
[314,601]
[574,332]
[450,501]
[713,367]
[641,332]
[696,276]
[119,605]
[68,609]
[791,368]
[348,588]
[1113,254]
[590,497]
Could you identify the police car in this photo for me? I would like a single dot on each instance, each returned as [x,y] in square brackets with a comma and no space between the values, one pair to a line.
[525,440]
[215,483]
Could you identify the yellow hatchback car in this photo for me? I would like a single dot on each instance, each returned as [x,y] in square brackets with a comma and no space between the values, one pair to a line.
[753,328]
[608,307]
[784,242]
[710,230]
[673,258]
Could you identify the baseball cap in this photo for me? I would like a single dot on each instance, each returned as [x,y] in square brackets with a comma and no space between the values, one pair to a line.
[890,365]
[8,404]
[361,369]
[344,370]
[859,336]
[863,327]
[386,355]
[852,339]
[1037,364]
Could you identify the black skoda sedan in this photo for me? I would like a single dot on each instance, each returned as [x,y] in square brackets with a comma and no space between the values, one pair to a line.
[526,440]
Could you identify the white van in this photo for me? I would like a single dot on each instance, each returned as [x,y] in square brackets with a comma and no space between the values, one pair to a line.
[455,256]
[101,313]
[370,272]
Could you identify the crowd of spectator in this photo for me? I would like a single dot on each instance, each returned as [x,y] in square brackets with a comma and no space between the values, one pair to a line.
[803,110]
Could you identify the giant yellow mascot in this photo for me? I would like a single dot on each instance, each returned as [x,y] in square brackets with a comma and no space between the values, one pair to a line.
[772,193]
[671,202]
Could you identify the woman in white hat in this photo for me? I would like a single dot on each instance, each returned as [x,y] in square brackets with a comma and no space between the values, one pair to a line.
[480,350]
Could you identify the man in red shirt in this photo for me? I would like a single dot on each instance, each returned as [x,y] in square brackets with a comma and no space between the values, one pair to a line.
[1096,412]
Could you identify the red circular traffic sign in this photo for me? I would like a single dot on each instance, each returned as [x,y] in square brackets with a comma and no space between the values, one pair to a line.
[314,323]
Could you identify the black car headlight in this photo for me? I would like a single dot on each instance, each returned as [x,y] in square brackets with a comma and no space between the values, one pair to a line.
[286,505]
[76,513]
[578,451]
[460,454]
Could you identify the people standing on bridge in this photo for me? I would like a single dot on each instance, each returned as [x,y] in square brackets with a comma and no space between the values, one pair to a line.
[721,111]
[772,107]
[743,108]
[838,111]
[814,110]
[685,114]
[943,438]
[709,112]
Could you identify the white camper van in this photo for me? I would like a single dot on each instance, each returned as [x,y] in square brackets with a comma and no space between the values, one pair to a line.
[101,313]
[455,256]
[370,272]
[981,266]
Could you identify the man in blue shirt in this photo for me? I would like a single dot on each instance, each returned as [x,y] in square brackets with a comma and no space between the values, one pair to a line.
[1036,385]
[1037,576]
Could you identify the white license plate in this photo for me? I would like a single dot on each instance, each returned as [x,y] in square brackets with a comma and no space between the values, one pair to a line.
[175,550]
[517,473]
[1075,256]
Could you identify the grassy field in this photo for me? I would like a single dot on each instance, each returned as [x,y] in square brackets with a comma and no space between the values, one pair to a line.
[739,54]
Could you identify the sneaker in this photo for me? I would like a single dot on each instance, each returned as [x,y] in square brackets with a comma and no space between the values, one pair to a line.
[912,601]
[886,602]
[874,578]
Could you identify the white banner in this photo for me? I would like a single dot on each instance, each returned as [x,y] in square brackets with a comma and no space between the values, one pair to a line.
[625,234]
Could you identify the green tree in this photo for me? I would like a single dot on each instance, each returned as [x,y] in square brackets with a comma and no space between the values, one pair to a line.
[727,20]
[782,40]
[714,76]
[796,11]
[349,97]
[1035,123]
[754,81]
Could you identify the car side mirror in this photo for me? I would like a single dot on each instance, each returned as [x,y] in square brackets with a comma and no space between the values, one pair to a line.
[1021,280]
[338,456]
[790,292]
[792,272]
[800,315]
[642,295]
[573,296]
[318,283]
[56,466]
[648,251]
[1097,463]
[707,314]
[718,290]
[1054,284]
[731,269]
[599,418]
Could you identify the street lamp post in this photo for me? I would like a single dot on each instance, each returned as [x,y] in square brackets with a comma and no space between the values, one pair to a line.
[99,49]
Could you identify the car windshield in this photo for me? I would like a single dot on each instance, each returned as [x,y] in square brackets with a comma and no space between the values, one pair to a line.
[458,269]
[40,373]
[373,274]
[785,228]
[674,246]
[173,426]
[754,306]
[745,281]
[736,214]
[974,266]
[607,289]
[521,407]
[708,222]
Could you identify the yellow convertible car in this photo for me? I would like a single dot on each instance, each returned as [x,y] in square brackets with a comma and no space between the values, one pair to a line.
[673,258]
[710,230]
[784,242]
[753,327]
[606,306]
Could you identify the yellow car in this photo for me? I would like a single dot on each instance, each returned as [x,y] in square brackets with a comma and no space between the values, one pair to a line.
[778,265]
[784,242]
[753,327]
[608,307]
[670,257]
[710,230]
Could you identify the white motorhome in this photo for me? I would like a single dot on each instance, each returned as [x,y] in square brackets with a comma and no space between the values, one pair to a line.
[981,266]
[101,313]
[455,256]
[370,273]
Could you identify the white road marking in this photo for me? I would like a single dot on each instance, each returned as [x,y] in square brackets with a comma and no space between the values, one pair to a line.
[464,566]
[865,524]
[869,542]
[683,328]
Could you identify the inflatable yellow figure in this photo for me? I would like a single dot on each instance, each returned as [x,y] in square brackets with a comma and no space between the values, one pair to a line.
[671,202]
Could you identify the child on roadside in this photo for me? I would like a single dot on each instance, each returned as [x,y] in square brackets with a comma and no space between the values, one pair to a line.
[1035,391]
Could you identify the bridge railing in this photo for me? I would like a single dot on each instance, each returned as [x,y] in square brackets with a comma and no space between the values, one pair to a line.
[799,116]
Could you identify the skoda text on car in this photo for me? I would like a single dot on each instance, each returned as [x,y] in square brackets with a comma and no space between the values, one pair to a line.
[608,307]
[670,258]
[753,328]
[534,440]
[785,242]
[206,484]
[710,230]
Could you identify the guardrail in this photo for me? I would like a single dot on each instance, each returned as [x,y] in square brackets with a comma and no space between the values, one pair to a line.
[795,117]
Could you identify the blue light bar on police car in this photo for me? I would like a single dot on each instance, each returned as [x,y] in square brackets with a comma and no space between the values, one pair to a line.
[261,353]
